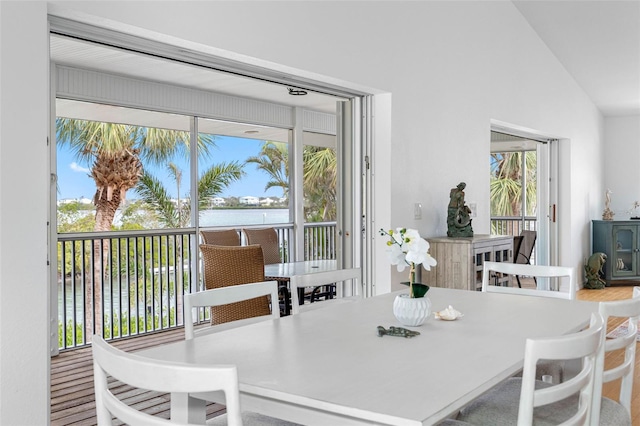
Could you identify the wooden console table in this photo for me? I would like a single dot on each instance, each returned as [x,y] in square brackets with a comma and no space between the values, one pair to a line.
[460,260]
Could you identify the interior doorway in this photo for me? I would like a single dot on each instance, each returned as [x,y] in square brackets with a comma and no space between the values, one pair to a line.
[521,190]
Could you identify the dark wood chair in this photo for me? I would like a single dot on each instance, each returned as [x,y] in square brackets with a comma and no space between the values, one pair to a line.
[523,249]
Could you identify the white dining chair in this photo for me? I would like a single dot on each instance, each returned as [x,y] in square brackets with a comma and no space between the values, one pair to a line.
[223,296]
[537,271]
[607,411]
[159,376]
[527,401]
[353,275]
[553,371]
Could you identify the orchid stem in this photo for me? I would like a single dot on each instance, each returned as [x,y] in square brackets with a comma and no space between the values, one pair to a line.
[412,278]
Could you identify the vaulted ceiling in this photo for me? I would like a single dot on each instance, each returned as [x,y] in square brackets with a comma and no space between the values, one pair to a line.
[597,41]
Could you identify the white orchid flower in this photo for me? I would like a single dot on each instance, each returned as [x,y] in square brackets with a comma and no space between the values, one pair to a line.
[406,247]
[396,257]
[429,262]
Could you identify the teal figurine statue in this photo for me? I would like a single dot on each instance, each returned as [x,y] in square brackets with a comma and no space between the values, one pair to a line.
[458,214]
[593,270]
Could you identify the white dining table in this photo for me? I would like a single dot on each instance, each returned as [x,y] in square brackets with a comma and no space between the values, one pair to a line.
[329,366]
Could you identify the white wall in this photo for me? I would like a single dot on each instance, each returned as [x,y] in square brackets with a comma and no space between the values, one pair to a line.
[451,67]
[24,201]
[621,158]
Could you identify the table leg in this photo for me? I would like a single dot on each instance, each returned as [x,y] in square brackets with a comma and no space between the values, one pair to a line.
[186,409]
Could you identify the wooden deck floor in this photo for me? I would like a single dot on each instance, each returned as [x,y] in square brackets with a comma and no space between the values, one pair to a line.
[72,398]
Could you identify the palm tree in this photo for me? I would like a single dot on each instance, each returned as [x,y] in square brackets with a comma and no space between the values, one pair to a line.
[116,153]
[506,183]
[319,176]
[210,184]
[320,182]
[274,160]
[175,171]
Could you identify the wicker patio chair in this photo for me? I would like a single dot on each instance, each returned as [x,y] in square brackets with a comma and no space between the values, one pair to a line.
[228,265]
[226,237]
[267,238]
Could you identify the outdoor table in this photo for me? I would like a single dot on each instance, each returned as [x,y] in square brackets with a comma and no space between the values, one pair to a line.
[282,272]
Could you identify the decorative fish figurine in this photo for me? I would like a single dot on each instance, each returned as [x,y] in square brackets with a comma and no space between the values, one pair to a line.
[397,331]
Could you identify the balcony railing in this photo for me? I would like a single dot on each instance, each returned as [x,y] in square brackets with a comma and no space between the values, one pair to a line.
[505,225]
[127,283]
[509,225]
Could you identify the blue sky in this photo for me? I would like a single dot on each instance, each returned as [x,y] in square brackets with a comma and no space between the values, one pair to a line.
[74,182]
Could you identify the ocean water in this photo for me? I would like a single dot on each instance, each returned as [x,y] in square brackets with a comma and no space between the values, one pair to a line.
[223,217]
[229,217]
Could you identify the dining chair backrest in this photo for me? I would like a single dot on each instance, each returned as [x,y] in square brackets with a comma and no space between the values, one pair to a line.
[226,266]
[225,237]
[225,295]
[533,271]
[517,243]
[624,370]
[267,238]
[583,345]
[525,248]
[353,275]
[160,376]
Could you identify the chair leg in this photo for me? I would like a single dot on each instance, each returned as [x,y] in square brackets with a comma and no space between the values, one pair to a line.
[283,289]
[327,291]
[518,279]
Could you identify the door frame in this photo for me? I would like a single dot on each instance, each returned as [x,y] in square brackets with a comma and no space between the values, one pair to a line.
[546,248]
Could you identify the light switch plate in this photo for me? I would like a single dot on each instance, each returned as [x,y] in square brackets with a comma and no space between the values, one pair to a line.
[417,211]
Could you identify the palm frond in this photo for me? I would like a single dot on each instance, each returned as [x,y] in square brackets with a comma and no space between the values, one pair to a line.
[215,179]
[153,193]
[273,160]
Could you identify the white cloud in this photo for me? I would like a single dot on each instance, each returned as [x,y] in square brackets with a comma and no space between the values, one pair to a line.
[78,168]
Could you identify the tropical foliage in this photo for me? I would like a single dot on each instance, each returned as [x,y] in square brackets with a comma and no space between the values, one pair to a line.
[319,177]
[273,159]
[117,153]
[177,214]
[506,183]
[320,183]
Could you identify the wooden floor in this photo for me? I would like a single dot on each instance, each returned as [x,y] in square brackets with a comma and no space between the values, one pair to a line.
[612,389]
[72,398]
